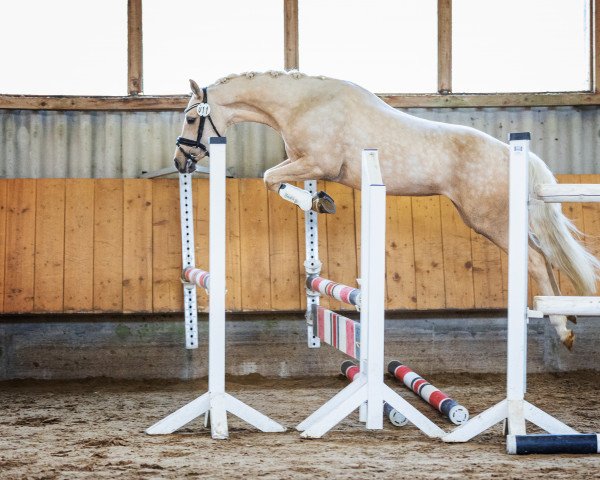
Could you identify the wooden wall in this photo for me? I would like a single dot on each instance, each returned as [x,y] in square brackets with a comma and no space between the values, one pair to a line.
[112,245]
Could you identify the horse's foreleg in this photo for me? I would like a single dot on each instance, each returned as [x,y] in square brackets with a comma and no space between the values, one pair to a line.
[543,276]
[276,179]
[291,171]
[279,165]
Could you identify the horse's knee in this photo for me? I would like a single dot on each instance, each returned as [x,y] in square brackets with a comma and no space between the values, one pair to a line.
[270,182]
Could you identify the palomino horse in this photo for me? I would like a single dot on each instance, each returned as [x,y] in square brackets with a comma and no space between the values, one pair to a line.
[325,123]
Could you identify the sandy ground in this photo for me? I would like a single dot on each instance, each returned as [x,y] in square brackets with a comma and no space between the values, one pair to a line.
[95,429]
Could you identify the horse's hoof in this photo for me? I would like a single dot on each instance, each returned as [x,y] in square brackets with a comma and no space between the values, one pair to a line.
[323,203]
[572,318]
[569,340]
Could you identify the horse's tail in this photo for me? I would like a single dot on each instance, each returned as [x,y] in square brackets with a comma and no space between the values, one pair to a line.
[557,235]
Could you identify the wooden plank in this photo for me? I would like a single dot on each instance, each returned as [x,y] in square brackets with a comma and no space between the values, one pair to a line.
[254,246]
[134,47]
[20,245]
[474,100]
[3,190]
[49,246]
[79,245]
[167,293]
[591,222]
[179,102]
[568,305]
[108,245]
[487,273]
[201,233]
[565,192]
[283,253]
[429,261]
[341,240]
[400,255]
[301,253]
[323,246]
[233,257]
[137,245]
[357,228]
[444,46]
[290,36]
[458,261]
[574,211]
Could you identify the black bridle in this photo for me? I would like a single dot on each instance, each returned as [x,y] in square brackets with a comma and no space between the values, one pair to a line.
[203,109]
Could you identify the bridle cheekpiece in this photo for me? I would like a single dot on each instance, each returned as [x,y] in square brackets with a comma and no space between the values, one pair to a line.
[203,109]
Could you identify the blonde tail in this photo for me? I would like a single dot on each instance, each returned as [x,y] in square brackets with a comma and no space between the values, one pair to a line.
[557,235]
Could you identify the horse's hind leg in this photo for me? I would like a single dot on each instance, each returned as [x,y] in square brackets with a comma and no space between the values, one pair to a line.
[494,225]
[543,276]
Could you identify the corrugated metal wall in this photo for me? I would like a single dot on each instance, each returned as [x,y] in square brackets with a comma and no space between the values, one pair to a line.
[566,138]
[115,144]
[122,144]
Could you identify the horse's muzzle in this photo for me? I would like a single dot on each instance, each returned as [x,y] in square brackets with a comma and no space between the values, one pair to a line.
[189,166]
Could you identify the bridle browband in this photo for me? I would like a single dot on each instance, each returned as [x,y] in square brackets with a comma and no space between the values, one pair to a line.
[203,109]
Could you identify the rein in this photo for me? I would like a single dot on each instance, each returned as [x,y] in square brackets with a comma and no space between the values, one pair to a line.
[203,109]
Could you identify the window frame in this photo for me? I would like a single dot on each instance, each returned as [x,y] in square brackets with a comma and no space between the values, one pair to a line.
[136,100]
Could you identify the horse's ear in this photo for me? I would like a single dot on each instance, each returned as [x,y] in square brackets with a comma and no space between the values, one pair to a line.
[195,88]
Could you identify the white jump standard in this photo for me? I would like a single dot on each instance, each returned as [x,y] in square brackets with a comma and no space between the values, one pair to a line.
[367,390]
[515,410]
[216,402]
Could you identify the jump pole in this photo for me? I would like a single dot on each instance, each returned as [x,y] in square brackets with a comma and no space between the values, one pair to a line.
[430,394]
[350,370]
[514,408]
[216,402]
[553,444]
[368,388]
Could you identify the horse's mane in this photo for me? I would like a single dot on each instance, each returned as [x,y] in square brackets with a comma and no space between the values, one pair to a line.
[295,74]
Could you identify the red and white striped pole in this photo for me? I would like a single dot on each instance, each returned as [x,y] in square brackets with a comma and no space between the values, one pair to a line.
[448,407]
[350,370]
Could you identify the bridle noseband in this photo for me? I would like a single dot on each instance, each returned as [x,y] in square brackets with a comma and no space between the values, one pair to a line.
[203,109]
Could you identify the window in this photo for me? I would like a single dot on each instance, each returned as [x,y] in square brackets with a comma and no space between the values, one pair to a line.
[64,47]
[383,45]
[138,54]
[520,45]
[208,40]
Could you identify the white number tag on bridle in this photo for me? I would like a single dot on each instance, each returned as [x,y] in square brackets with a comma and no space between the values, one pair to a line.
[203,109]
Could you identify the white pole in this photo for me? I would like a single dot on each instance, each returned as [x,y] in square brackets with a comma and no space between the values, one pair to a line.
[518,235]
[216,324]
[364,277]
[373,284]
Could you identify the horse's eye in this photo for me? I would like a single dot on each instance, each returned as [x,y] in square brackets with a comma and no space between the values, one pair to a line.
[190,120]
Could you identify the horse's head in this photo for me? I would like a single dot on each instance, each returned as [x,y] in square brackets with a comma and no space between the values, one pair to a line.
[191,144]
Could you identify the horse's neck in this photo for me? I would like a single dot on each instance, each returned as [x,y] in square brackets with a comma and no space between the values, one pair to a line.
[261,99]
